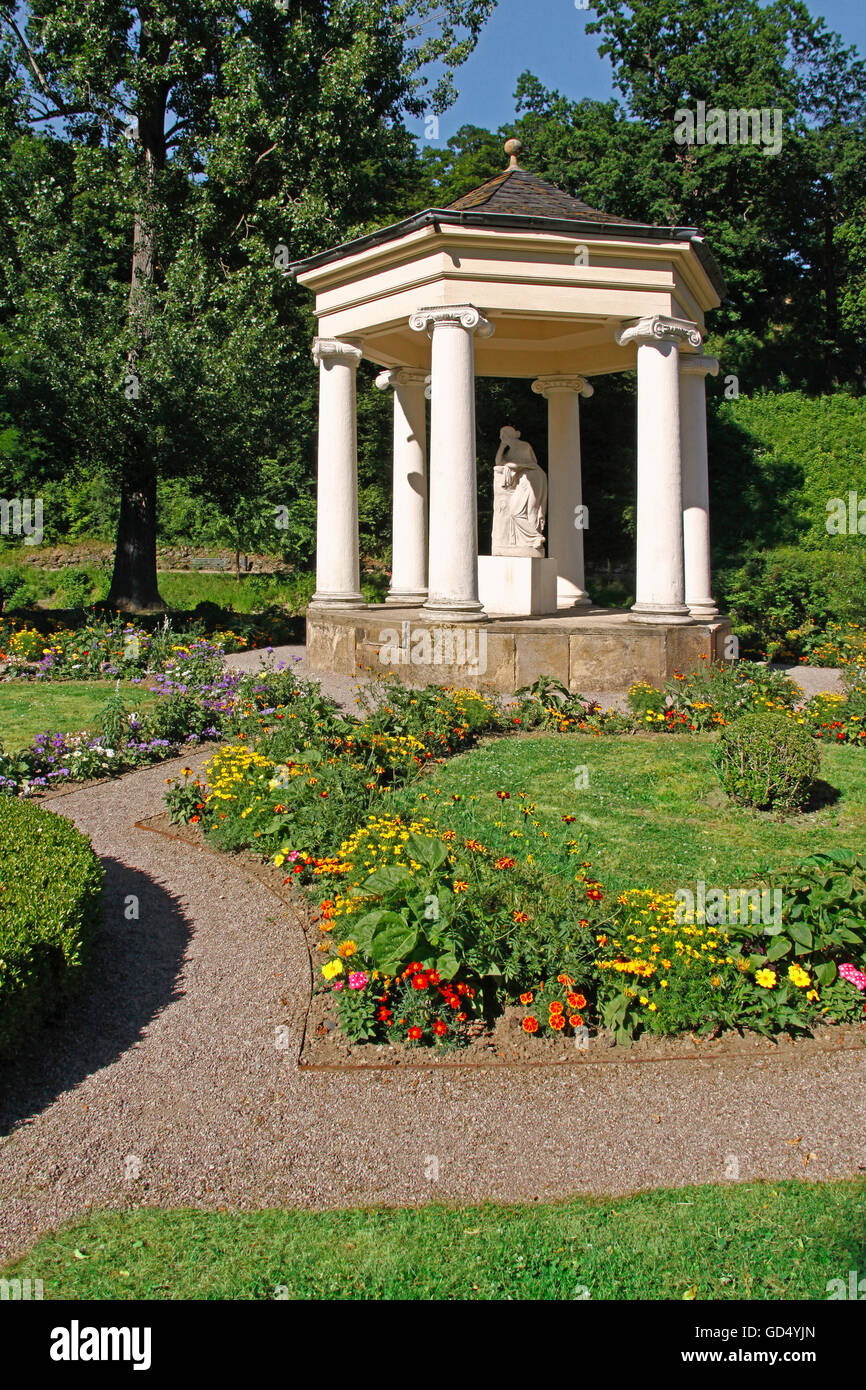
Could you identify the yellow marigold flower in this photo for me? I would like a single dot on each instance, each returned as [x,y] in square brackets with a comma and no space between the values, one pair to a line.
[346,949]
[798,976]
[765,978]
[333,967]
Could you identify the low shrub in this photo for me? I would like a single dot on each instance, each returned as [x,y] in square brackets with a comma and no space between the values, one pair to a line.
[49,913]
[767,761]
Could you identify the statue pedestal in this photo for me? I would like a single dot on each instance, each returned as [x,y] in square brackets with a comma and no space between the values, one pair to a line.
[517,585]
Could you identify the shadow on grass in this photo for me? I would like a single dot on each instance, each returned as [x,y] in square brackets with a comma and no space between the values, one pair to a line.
[132,975]
[821,795]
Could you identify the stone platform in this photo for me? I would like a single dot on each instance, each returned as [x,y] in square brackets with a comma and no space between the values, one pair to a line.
[594,649]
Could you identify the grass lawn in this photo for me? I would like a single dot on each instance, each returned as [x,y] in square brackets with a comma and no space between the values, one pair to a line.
[28,708]
[652,811]
[743,1240]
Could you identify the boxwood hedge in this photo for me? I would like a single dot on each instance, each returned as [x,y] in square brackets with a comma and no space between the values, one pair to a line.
[50,884]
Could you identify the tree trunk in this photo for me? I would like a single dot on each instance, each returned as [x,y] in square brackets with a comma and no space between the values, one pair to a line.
[134,586]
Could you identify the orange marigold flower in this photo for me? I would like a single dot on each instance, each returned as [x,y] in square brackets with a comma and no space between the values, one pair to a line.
[505,863]
[460,885]
[530,1024]
[527,998]
[557,1022]
[577,1001]
[565,980]
[576,1021]
[520,916]
[555,1007]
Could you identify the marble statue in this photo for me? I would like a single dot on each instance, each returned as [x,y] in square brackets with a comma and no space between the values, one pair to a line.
[519,497]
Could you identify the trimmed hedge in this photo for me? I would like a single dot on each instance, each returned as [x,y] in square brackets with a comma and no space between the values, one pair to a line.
[50,886]
[767,761]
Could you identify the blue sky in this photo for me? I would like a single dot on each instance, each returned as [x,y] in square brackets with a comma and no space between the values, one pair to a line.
[549,38]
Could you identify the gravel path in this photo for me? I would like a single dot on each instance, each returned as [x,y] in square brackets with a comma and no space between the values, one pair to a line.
[164,1084]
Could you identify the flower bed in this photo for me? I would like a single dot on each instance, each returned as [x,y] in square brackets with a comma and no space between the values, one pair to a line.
[428,934]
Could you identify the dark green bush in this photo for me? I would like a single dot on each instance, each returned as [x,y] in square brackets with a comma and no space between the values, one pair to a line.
[49,912]
[767,761]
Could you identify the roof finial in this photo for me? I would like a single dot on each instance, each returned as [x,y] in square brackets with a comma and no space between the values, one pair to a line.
[513,148]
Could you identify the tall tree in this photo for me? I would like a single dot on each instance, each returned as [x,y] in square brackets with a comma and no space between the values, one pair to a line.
[216,133]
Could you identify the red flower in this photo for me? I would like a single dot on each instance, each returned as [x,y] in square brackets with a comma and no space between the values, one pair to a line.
[419,981]
[557,1022]
[505,863]
[440,1028]
[504,796]
[415,1034]
[595,893]
[530,1024]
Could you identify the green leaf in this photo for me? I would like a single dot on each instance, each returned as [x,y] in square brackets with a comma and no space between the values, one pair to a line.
[432,853]
[778,948]
[447,965]
[801,933]
[388,879]
[825,973]
[393,944]
[365,928]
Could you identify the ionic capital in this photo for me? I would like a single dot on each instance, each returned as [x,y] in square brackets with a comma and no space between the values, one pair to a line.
[695,364]
[401,376]
[658,328]
[451,316]
[329,350]
[544,385]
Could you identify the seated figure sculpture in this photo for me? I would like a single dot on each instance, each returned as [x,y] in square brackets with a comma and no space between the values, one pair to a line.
[519,497]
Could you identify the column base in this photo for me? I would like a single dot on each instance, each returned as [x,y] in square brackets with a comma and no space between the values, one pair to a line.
[454,611]
[660,613]
[569,596]
[703,610]
[406,598]
[339,600]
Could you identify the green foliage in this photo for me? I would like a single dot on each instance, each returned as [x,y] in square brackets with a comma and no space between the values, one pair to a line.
[767,761]
[49,915]
[824,915]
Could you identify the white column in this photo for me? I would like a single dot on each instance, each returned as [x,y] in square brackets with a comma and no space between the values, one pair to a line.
[409,498]
[564,519]
[660,576]
[694,369]
[338,576]
[453,568]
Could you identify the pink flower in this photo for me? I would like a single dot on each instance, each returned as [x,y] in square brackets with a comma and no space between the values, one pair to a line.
[293,855]
[338,984]
[357,980]
[855,977]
